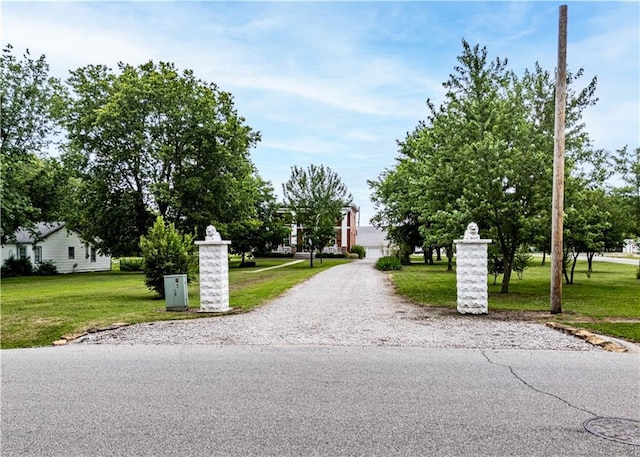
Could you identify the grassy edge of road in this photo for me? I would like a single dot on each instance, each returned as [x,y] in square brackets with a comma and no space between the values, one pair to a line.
[37,310]
[607,301]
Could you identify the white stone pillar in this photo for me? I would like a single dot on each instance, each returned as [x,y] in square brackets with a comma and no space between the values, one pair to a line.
[214,272]
[471,272]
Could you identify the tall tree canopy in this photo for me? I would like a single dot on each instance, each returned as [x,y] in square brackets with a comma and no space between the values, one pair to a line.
[29,98]
[486,155]
[151,140]
[264,228]
[315,197]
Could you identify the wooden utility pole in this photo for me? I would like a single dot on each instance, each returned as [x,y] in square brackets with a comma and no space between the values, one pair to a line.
[558,166]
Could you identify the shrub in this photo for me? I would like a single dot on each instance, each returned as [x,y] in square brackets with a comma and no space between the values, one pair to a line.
[273,255]
[331,255]
[521,261]
[46,268]
[495,264]
[16,267]
[388,263]
[165,252]
[357,249]
[131,264]
[247,264]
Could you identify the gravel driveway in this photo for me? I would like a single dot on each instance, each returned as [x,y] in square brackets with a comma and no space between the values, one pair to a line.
[348,305]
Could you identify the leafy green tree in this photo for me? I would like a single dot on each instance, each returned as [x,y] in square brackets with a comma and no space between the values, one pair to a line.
[316,196]
[585,226]
[165,252]
[153,140]
[627,167]
[29,100]
[522,260]
[394,206]
[264,229]
[486,154]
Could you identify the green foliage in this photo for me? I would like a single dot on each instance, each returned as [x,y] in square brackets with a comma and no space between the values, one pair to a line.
[315,197]
[388,263]
[263,227]
[152,140]
[30,188]
[627,165]
[131,264]
[586,223]
[495,262]
[485,155]
[522,260]
[16,267]
[275,255]
[360,250]
[46,268]
[332,255]
[165,252]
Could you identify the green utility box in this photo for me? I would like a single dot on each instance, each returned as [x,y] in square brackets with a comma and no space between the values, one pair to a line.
[176,293]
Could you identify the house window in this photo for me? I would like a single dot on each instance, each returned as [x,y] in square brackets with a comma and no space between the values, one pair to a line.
[37,254]
[72,252]
[93,254]
[22,252]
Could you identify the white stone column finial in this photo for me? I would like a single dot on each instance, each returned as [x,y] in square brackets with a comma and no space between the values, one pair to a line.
[471,272]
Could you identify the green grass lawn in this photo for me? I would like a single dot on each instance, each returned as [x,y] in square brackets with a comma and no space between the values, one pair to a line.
[608,302]
[37,310]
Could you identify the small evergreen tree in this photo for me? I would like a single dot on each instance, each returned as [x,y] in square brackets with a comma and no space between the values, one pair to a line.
[165,252]
[522,260]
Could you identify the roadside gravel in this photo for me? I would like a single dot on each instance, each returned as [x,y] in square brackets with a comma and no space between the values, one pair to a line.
[348,305]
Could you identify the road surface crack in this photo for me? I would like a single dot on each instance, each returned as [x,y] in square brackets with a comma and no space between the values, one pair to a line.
[515,375]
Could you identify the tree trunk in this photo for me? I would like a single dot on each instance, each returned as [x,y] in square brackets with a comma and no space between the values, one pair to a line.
[590,260]
[428,256]
[544,257]
[438,254]
[573,265]
[450,257]
[506,276]
[565,259]
[242,258]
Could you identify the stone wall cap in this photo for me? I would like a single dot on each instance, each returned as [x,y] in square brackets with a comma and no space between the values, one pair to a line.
[211,242]
[482,241]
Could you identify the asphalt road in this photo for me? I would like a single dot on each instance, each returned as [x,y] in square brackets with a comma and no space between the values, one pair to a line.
[312,401]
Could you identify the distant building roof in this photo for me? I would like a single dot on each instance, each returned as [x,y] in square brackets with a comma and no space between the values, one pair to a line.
[369,236]
[41,230]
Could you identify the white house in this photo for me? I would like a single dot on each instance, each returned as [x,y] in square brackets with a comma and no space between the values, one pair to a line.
[54,241]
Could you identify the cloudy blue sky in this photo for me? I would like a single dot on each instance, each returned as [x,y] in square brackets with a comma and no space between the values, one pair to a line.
[337,83]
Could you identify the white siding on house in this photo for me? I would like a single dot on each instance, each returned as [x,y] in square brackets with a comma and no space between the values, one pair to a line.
[11,250]
[55,247]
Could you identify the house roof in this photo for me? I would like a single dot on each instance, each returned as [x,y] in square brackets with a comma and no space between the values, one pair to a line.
[41,230]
